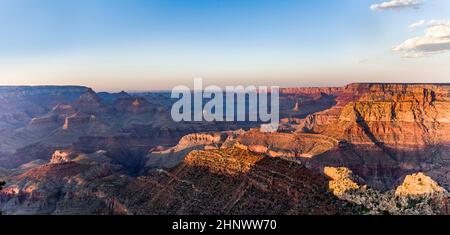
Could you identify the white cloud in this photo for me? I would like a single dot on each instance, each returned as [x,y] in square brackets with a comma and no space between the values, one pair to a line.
[428,23]
[417,24]
[397,4]
[436,40]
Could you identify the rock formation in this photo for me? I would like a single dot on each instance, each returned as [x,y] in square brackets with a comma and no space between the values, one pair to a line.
[60,157]
[69,150]
[133,105]
[417,195]
[232,181]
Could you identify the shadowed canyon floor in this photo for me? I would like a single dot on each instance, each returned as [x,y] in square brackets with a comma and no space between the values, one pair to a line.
[359,149]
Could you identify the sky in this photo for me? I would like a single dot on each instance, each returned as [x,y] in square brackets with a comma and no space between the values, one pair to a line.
[138,45]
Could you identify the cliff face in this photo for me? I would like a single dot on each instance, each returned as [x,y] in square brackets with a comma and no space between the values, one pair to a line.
[394,114]
[398,115]
[381,131]
[386,131]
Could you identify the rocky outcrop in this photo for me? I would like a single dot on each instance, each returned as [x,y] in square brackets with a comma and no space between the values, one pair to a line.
[417,195]
[418,185]
[133,105]
[232,181]
[90,103]
[77,120]
[193,140]
[286,144]
[61,157]
[63,110]
[60,188]
[43,121]
[342,180]
[161,157]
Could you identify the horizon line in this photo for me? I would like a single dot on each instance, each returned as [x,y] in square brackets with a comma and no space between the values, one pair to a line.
[168,90]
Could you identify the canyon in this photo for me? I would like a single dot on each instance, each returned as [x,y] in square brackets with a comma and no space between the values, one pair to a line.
[366,148]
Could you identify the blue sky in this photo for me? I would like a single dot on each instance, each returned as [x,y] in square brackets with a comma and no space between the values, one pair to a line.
[157,44]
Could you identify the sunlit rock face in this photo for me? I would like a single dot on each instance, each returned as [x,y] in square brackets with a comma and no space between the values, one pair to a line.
[398,115]
[386,131]
[60,157]
[383,132]
[287,144]
[417,195]
[342,180]
[418,185]
[395,114]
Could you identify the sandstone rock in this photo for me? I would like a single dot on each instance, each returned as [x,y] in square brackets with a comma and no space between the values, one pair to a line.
[408,115]
[259,149]
[418,185]
[418,195]
[61,157]
[342,180]
[193,140]
[286,144]
[385,131]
